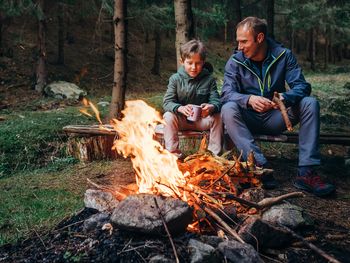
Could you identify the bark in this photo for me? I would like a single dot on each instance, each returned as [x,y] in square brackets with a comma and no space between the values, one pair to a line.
[60,57]
[312,49]
[271,18]
[120,62]
[157,46]
[326,51]
[184,24]
[41,69]
[234,8]
[1,27]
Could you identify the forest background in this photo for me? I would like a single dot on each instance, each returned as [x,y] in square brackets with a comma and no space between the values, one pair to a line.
[74,41]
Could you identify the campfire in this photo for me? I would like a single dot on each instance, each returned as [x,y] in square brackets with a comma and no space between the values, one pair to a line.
[211,185]
[212,192]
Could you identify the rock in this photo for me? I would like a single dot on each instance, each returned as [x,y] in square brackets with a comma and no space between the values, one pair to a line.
[234,251]
[347,162]
[160,259]
[260,233]
[288,215]
[96,221]
[64,90]
[100,200]
[253,194]
[213,241]
[139,213]
[201,252]
[103,103]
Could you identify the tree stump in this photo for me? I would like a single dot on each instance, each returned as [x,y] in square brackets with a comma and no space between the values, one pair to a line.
[89,143]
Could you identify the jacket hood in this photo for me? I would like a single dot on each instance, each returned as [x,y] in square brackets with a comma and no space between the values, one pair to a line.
[274,47]
[185,75]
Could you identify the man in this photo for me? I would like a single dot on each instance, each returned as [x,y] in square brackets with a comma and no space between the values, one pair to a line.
[260,67]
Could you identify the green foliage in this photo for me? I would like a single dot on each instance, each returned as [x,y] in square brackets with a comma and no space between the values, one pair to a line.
[16,8]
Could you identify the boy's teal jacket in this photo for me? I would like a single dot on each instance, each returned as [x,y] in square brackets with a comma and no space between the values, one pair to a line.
[183,90]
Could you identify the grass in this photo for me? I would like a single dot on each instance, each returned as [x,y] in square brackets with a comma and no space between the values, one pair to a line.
[40,184]
[38,200]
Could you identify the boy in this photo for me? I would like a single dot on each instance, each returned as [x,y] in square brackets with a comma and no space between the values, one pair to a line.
[192,85]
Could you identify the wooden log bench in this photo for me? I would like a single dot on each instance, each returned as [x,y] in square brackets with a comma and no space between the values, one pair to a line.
[88,143]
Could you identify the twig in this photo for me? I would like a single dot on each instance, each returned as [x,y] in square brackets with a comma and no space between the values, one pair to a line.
[311,246]
[270,201]
[276,99]
[167,230]
[238,199]
[230,230]
[119,196]
[42,242]
[222,175]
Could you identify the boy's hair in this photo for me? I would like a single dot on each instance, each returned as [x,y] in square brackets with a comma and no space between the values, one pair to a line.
[256,24]
[191,47]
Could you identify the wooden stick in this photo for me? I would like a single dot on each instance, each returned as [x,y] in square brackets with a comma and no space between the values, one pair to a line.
[222,175]
[230,230]
[311,246]
[270,201]
[167,230]
[276,99]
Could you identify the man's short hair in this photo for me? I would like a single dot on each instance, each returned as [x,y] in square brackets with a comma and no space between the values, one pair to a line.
[258,25]
[192,47]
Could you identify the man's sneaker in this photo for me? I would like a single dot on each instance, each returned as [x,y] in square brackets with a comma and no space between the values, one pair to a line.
[313,183]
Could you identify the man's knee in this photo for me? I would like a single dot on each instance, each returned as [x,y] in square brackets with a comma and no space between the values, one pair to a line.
[310,104]
[229,110]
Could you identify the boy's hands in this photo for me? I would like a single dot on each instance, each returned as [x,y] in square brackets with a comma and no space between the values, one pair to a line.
[207,109]
[185,110]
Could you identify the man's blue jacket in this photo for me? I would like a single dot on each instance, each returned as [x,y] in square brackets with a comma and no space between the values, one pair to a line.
[280,67]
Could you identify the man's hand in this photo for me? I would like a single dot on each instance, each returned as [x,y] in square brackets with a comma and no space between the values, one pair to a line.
[207,109]
[261,104]
[185,110]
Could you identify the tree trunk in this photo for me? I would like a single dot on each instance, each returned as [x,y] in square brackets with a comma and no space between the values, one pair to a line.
[1,27]
[41,70]
[157,46]
[184,24]
[312,49]
[120,62]
[60,17]
[326,51]
[271,18]
[235,16]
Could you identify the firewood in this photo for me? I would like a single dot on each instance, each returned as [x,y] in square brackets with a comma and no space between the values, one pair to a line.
[167,231]
[276,99]
[270,201]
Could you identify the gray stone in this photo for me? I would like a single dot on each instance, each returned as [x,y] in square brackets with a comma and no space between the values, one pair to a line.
[213,241]
[64,90]
[139,213]
[288,215]
[347,162]
[234,251]
[100,200]
[160,259]
[260,233]
[201,252]
[96,221]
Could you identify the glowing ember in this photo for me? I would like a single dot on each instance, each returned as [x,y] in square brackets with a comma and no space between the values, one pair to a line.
[156,169]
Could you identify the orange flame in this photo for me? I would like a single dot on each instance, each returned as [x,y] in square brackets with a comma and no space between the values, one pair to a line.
[156,168]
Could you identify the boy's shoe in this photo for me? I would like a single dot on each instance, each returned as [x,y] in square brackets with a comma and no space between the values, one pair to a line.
[180,155]
[313,183]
